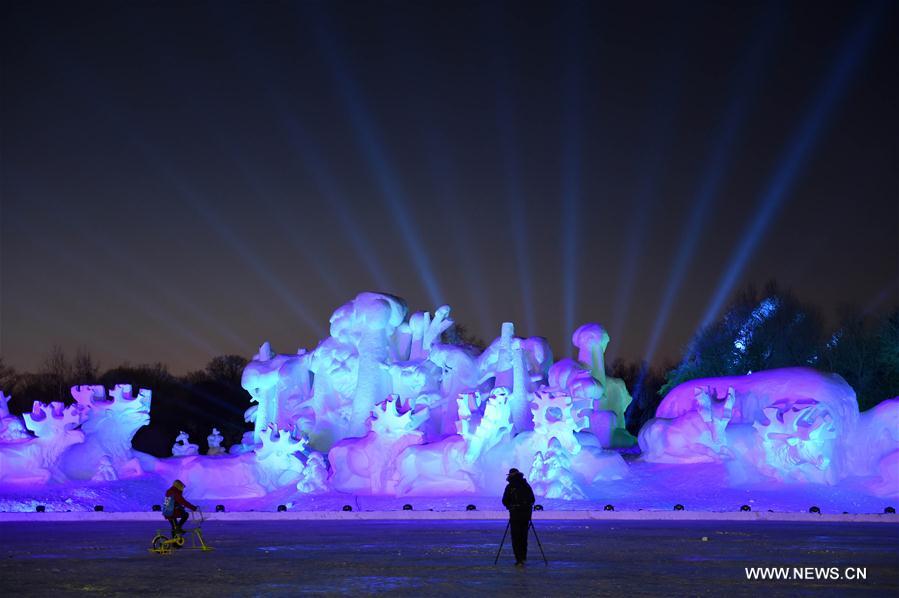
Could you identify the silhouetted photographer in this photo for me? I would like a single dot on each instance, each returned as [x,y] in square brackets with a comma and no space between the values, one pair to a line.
[519,500]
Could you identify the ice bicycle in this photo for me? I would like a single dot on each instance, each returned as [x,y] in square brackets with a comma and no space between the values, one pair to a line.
[162,544]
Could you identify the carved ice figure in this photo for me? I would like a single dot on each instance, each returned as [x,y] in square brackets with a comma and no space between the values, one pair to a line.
[798,441]
[425,331]
[496,360]
[459,375]
[435,469]
[109,427]
[335,366]
[508,361]
[12,428]
[366,325]
[105,471]
[183,447]
[696,437]
[791,424]
[494,427]
[591,340]
[874,448]
[554,418]
[417,384]
[35,461]
[551,475]
[279,458]
[369,464]
[278,384]
[314,476]
[214,440]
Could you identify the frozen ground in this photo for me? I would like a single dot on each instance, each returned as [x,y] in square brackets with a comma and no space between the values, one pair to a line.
[449,558]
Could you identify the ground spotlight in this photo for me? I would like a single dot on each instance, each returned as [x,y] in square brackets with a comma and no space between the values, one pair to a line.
[678,507]
[219,508]
[347,508]
[538,507]
[156,508]
[407,507]
[471,508]
[282,508]
[890,511]
[98,508]
[40,509]
[814,509]
[608,508]
[745,508]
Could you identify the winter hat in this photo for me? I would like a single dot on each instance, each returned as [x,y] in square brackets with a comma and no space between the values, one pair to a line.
[178,484]
[513,473]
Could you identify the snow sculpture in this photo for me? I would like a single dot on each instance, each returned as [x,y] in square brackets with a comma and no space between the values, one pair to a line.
[279,458]
[551,475]
[366,324]
[425,332]
[494,426]
[798,441]
[875,448]
[215,443]
[105,471]
[109,427]
[554,419]
[591,341]
[34,460]
[279,385]
[458,375]
[368,464]
[696,437]
[789,425]
[12,429]
[183,447]
[314,476]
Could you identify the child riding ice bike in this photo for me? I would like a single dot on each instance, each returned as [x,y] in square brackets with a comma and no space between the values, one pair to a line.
[174,511]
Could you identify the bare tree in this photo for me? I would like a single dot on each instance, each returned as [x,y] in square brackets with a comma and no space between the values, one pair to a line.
[58,371]
[84,369]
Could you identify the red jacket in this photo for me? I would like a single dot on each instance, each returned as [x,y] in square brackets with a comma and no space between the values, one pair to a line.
[179,499]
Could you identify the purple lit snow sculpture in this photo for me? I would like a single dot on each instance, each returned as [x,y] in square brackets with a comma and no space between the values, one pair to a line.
[789,425]
[34,460]
[109,425]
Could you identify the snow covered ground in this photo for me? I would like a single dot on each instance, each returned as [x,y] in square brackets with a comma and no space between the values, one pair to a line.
[649,486]
[446,558]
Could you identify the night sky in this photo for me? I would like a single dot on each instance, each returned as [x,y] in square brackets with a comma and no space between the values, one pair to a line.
[187,179]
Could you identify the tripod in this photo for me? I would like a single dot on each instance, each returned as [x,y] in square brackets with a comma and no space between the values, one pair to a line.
[536,537]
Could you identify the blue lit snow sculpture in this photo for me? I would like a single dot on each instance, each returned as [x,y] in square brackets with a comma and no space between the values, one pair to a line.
[470,415]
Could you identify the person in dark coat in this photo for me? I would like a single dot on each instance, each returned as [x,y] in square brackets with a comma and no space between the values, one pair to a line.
[174,507]
[519,500]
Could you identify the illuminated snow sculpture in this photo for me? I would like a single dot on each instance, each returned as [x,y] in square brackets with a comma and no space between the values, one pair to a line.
[698,436]
[458,376]
[314,476]
[519,365]
[34,460]
[602,398]
[12,429]
[279,386]
[369,464]
[280,458]
[792,424]
[183,447]
[875,448]
[493,427]
[214,440]
[109,427]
